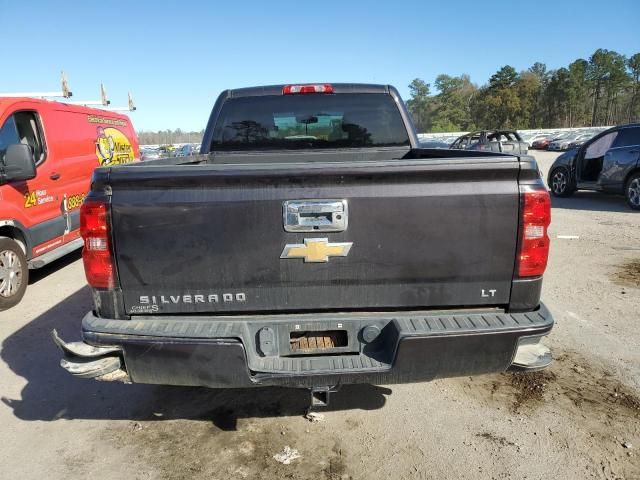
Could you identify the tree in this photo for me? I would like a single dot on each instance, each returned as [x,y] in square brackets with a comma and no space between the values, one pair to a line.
[528,89]
[606,74]
[556,98]
[578,93]
[419,104]
[605,89]
[617,84]
[504,78]
[452,111]
[501,100]
[634,66]
[539,70]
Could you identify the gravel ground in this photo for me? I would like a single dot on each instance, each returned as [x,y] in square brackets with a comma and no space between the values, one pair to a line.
[570,421]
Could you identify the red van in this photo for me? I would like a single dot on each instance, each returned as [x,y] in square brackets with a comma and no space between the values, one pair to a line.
[48,151]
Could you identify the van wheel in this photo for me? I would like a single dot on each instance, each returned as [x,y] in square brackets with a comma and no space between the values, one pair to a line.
[632,191]
[560,183]
[14,273]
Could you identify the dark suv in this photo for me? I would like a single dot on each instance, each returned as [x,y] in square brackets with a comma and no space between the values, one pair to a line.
[507,141]
[609,162]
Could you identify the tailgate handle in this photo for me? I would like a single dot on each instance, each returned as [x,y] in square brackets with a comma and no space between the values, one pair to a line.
[315,215]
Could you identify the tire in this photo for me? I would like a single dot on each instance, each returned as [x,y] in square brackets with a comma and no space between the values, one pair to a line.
[560,183]
[14,273]
[632,191]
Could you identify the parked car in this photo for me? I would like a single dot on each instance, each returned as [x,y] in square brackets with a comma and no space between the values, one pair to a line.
[185,151]
[563,143]
[578,141]
[166,150]
[48,151]
[149,154]
[609,162]
[555,137]
[275,260]
[507,141]
[529,139]
[541,143]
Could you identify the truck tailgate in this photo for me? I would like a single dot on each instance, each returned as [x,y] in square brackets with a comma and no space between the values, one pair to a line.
[422,234]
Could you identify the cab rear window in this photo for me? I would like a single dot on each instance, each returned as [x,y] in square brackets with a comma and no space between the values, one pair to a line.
[276,122]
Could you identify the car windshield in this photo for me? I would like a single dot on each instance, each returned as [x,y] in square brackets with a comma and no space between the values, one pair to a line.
[309,121]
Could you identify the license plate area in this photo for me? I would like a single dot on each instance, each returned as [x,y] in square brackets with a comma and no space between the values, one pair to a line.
[317,338]
[317,341]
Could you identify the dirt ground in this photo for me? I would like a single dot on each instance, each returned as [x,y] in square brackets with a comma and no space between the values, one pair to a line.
[578,419]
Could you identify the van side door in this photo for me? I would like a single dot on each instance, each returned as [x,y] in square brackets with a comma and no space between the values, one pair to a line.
[35,203]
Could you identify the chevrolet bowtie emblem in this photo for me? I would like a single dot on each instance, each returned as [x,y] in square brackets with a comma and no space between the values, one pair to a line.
[317,250]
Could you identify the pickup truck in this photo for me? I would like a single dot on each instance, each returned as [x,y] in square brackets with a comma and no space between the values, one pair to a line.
[311,244]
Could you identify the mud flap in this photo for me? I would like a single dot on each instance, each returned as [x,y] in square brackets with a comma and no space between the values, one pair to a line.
[87,361]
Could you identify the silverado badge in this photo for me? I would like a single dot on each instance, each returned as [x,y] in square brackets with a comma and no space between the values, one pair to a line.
[316,250]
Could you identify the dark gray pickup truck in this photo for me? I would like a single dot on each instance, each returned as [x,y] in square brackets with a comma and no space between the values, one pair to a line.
[313,244]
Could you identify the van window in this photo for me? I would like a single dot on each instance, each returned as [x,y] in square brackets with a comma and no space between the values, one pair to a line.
[8,136]
[29,133]
[22,127]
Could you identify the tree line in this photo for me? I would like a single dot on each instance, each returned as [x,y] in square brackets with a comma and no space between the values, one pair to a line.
[169,137]
[603,90]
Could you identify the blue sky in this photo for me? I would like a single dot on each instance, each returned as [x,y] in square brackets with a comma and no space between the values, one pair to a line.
[176,57]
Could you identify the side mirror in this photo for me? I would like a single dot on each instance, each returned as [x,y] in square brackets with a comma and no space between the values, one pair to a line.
[19,164]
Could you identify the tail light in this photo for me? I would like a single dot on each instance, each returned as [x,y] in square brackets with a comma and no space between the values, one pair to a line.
[97,254]
[296,89]
[535,218]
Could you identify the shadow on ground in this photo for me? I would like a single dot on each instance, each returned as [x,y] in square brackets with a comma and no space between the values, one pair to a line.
[594,201]
[52,394]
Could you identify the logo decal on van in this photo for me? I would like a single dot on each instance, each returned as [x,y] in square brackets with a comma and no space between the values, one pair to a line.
[74,201]
[106,121]
[37,197]
[113,147]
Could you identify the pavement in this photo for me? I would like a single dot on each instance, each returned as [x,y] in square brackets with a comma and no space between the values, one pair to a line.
[578,419]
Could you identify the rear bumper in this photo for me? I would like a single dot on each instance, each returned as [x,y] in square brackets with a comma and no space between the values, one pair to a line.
[244,351]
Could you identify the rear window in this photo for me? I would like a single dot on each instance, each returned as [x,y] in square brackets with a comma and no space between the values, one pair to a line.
[276,122]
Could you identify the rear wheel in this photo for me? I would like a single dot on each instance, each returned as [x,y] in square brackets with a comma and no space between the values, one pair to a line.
[632,191]
[14,273]
[560,185]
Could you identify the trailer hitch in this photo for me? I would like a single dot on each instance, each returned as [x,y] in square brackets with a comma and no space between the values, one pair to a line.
[319,396]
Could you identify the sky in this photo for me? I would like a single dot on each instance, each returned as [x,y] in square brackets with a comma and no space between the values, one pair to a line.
[176,57]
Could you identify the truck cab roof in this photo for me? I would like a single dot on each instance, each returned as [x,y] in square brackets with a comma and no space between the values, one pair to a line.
[336,88]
